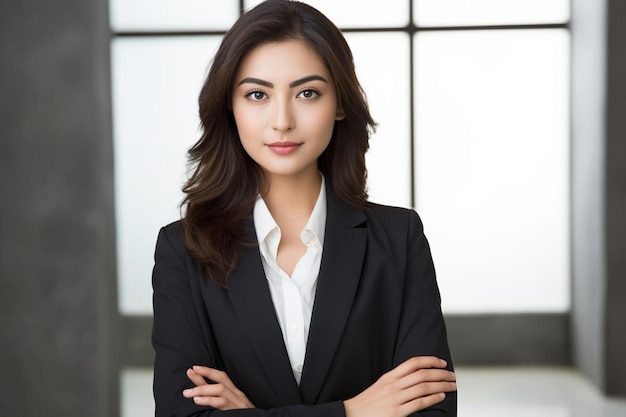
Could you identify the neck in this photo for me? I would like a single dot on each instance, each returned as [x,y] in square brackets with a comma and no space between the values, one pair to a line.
[292,196]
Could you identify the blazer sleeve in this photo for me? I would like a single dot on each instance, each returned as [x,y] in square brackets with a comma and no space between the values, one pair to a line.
[422,329]
[181,339]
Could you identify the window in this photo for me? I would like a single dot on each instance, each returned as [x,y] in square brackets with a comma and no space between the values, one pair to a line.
[472,103]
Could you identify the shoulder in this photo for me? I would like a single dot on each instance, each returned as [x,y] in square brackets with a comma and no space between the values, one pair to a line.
[392,217]
[171,236]
[385,210]
[174,229]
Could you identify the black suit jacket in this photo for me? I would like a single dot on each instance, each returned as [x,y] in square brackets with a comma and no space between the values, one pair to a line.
[377,304]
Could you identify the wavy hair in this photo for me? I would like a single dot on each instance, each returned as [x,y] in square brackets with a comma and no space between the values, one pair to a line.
[224,183]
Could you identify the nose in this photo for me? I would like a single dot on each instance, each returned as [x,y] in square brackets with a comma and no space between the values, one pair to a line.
[284,120]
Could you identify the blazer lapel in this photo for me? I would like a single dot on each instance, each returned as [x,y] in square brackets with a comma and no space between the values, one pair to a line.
[344,248]
[249,293]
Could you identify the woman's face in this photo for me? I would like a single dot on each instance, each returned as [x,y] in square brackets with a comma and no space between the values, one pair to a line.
[285,107]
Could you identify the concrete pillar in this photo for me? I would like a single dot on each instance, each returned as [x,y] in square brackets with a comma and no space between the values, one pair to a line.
[58,310]
[599,191]
[615,223]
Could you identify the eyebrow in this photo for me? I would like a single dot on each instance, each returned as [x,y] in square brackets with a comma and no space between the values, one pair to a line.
[252,80]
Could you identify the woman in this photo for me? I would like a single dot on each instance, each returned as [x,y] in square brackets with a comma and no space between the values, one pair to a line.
[283,292]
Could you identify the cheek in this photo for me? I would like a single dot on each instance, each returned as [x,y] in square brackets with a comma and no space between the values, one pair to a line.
[319,120]
[325,124]
[245,124]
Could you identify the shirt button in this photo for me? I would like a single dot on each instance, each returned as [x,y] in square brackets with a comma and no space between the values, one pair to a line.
[298,368]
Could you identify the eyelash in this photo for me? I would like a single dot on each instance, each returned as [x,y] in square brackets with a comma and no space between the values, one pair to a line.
[251,94]
[310,90]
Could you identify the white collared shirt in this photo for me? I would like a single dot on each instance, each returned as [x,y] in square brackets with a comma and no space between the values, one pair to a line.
[293,297]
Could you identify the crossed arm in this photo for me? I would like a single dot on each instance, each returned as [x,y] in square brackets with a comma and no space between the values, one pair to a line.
[414,385]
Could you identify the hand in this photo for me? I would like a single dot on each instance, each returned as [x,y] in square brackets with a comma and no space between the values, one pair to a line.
[221,394]
[414,385]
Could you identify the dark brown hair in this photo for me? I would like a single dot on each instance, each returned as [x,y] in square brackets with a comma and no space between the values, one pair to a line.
[225,181]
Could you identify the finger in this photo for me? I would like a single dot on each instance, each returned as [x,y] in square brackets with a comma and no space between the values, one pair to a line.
[222,403]
[217,396]
[426,389]
[215,375]
[205,371]
[218,403]
[421,403]
[418,362]
[426,375]
[196,378]
[207,390]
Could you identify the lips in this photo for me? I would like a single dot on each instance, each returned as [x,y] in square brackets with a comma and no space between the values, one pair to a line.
[283,148]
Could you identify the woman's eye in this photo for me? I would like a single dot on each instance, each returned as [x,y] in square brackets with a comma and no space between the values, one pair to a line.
[308,94]
[256,95]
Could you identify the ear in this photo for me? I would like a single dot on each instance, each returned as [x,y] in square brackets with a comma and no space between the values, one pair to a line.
[340,115]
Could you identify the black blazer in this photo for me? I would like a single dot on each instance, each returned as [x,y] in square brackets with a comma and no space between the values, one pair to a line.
[377,304]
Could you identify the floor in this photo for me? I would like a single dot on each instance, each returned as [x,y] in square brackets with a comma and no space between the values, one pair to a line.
[484,392]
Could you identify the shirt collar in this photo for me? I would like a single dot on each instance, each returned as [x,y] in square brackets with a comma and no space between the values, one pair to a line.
[265,224]
[317,221]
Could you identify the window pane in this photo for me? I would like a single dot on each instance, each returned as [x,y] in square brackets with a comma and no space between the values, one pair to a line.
[492,166]
[164,15]
[387,88]
[155,84]
[359,13]
[136,398]
[489,12]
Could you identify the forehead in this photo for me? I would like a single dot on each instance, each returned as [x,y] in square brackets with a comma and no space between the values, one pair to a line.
[290,58]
